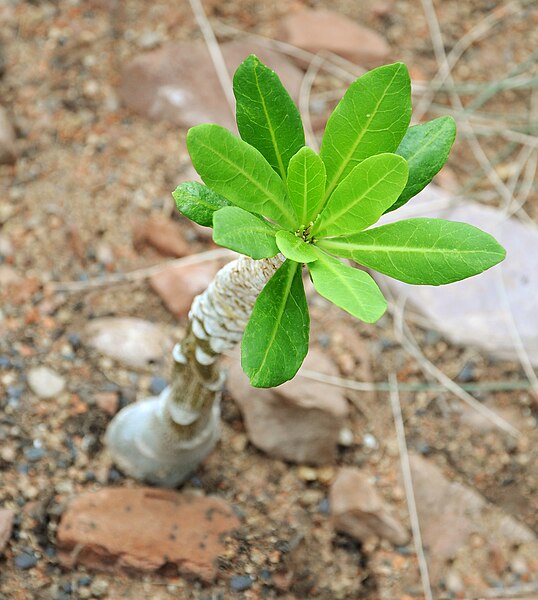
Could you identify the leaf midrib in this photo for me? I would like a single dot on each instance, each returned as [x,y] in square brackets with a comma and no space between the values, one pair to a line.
[345,162]
[293,270]
[342,279]
[422,148]
[428,249]
[270,127]
[266,192]
[347,208]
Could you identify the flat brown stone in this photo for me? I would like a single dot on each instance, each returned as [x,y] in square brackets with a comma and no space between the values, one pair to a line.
[165,235]
[145,529]
[359,511]
[178,285]
[298,421]
[318,30]
[178,82]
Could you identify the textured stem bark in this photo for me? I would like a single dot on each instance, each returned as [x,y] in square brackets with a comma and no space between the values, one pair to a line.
[163,439]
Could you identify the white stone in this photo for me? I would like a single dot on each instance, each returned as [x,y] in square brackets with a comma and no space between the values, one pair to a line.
[45,383]
[134,342]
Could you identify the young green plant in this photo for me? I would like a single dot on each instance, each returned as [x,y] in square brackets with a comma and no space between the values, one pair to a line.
[267,193]
[282,206]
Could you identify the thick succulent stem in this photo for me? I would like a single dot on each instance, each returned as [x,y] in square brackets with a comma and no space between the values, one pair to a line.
[162,440]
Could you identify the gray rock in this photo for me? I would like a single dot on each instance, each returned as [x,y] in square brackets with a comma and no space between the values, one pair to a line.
[178,82]
[25,561]
[298,421]
[359,511]
[475,311]
[45,383]
[8,151]
[134,342]
[240,583]
[6,526]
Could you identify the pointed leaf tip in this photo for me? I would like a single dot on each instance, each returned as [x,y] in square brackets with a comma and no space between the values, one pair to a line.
[266,116]
[371,118]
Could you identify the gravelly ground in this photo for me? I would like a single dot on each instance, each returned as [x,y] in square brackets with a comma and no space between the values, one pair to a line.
[87,172]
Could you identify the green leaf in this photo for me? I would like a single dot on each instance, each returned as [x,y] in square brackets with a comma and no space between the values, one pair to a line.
[276,337]
[266,116]
[295,248]
[363,196]
[197,202]
[371,118]
[306,185]
[244,232]
[239,172]
[351,289]
[421,251]
[426,148]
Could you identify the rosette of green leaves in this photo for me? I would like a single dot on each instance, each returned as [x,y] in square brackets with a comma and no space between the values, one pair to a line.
[266,192]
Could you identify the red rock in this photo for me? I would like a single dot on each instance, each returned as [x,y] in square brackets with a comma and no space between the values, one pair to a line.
[8,151]
[318,30]
[178,82]
[145,529]
[298,421]
[6,527]
[359,511]
[178,285]
[164,235]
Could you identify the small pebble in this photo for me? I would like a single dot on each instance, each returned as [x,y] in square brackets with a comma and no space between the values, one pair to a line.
[519,566]
[432,337]
[310,497]
[75,341]
[157,385]
[369,441]
[467,374]
[307,473]
[45,383]
[324,506]
[34,454]
[114,476]
[8,454]
[345,437]
[25,561]
[240,583]
[99,587]
[453,582]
